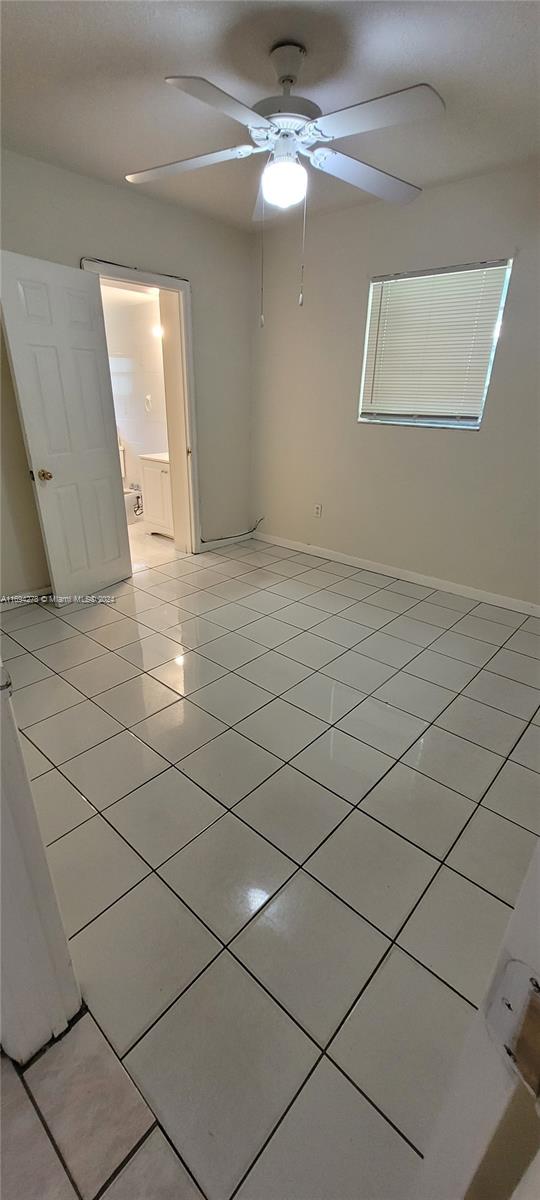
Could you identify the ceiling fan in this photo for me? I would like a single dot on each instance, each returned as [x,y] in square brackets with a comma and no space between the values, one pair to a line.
[286,127]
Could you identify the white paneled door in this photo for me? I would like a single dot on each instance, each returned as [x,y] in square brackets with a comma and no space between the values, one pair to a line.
[55,336]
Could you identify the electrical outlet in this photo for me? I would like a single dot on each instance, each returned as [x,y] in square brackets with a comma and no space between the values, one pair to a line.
[317,510]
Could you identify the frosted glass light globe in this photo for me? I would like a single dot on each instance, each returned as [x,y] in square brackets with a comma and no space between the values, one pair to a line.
[284,183]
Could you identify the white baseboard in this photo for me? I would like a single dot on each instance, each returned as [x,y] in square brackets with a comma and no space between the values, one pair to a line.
[444,585]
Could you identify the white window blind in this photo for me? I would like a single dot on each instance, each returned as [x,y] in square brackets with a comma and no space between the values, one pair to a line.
[430,343]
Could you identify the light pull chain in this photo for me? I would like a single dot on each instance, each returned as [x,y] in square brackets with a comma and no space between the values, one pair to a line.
[301,294]
[261,317]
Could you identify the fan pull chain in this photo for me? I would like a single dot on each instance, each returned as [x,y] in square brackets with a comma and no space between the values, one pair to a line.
[261,316]
[301,294]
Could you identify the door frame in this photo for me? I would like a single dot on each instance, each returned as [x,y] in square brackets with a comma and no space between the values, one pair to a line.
[182,287]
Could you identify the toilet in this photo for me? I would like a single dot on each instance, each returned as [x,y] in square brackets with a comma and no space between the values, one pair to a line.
[131,498]
[131,495]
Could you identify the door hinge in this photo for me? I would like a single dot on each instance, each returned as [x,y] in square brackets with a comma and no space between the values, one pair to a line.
[513,1021]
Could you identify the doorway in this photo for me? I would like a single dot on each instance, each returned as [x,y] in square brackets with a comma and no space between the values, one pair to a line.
[134,336]
[147,327]
[52,317]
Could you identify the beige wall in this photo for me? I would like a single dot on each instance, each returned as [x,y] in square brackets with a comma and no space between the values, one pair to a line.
[453,504]
[60,216]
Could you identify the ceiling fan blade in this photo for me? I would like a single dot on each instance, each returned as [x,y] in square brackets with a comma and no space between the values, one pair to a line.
[192,164]
[368,179]
[203,90]
[409,104]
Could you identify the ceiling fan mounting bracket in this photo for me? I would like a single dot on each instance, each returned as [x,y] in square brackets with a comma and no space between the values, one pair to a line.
[288,114]
[287,60]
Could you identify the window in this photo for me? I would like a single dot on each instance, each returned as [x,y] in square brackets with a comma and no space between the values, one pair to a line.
[430,344]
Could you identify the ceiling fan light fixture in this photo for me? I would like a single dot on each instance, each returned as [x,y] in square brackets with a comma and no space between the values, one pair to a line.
[284,182]
[284,126]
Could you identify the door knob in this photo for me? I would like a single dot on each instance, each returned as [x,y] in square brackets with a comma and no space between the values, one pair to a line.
[44,475]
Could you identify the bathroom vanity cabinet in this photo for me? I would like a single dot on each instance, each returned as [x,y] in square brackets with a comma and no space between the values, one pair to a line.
[156,492]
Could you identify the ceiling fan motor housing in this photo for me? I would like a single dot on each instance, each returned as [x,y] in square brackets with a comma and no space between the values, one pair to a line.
[295,109]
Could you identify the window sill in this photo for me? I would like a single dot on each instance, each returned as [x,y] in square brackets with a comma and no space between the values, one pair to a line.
[423,422]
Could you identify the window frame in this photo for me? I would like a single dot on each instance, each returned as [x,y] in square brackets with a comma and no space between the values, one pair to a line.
[424,420]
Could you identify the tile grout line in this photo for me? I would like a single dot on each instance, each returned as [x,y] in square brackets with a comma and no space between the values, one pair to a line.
[288,762]
[343,651]
[301,866]
[414,604]
[50,1136]
[263,588]
[125,1161]
[34,1058]
[225,947]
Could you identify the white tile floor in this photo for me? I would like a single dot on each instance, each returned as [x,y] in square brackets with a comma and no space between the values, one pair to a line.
[288,806]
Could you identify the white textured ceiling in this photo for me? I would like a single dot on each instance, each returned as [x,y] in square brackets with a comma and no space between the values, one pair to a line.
[83,86]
